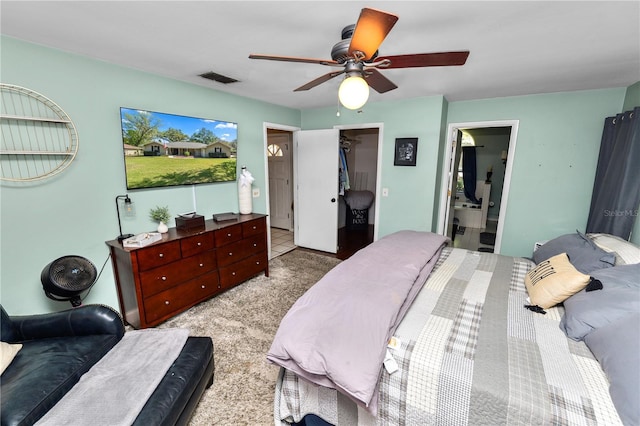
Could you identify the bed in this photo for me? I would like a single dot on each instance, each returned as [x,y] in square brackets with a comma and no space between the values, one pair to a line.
[457,346]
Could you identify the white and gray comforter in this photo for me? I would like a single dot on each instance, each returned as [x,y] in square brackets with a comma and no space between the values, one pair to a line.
[469,354]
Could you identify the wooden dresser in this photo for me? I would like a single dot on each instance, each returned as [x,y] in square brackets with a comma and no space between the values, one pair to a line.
[165,278]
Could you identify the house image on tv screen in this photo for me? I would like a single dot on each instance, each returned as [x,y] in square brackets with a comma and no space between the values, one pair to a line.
[185,148]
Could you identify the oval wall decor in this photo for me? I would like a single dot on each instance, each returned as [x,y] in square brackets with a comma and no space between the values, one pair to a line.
[38,139]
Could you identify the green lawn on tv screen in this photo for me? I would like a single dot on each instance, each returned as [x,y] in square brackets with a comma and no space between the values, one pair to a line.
[145,172]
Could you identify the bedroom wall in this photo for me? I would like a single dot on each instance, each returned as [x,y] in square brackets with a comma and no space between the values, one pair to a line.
[556,155]
[411,198]
[632,100]
[632,97]
[74,212]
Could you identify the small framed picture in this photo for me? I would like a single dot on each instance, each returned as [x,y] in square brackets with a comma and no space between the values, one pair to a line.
[406,152]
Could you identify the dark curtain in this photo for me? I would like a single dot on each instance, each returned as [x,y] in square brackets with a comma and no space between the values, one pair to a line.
[469,172]
[616,189]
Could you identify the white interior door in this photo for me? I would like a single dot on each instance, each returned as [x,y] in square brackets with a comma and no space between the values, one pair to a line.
[455,147]
[316,193]
[280,193]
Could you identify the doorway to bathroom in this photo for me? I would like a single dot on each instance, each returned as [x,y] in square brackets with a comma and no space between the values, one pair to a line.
[473,215]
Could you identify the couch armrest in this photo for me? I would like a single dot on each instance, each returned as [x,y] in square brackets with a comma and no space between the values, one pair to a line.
[81,321]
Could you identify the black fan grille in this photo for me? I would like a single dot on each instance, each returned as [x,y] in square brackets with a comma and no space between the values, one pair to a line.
[73,275]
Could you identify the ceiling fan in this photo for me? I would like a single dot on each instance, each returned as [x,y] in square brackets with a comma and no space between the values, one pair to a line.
[357,54]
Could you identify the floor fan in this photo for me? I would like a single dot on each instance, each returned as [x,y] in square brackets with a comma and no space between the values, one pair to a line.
[67,277]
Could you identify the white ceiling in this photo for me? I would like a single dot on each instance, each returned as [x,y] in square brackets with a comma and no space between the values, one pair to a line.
[517,47]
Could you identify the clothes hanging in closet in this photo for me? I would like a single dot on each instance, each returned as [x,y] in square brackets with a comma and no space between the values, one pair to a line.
[343,173]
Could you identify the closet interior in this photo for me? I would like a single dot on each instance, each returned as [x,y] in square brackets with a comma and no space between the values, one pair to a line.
[357,180]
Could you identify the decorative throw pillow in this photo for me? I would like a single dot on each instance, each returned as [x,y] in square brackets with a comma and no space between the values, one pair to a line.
[626,252]
[617,347]
[7,352]
[554,280]
[588,311]
[583,253]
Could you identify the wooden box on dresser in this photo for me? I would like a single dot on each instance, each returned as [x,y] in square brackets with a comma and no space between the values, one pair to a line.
[187,267]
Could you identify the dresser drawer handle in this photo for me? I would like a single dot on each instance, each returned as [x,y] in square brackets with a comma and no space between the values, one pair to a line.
[255,227]
[166,302]
[233,273]
[257,262]
[228,235]
[230,254]
[203,286]
[161,255]
[201,265]
[199,244]
[255,245]
[163,278]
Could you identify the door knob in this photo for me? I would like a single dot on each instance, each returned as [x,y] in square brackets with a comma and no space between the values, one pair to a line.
[333,200]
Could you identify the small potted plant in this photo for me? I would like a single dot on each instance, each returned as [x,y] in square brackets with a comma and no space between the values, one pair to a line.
[162,216]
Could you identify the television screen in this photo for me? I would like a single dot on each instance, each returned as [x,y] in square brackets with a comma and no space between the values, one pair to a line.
[169,150]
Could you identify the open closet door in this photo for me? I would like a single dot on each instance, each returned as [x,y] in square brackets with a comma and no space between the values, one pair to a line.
[316,164]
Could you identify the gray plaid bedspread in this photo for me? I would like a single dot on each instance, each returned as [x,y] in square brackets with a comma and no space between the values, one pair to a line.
[470,354]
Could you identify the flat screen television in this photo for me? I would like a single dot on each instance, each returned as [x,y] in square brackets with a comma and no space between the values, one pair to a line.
[163,150]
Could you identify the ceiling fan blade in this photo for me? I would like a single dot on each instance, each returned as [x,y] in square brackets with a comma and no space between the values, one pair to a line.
[378,82]
[371,29]
[319,80]
[296,59]
[441,59]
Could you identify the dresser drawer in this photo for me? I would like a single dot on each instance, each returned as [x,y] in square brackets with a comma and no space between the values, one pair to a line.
[254,227]
[177,299]
[150,257]
[158,279]
[243,270]
[196,244]
[240,250]
[228,235]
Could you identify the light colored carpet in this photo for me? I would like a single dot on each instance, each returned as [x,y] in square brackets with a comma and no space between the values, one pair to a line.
[242,322]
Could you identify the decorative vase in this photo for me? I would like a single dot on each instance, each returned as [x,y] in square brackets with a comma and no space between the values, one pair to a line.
[163,228]
[245,203]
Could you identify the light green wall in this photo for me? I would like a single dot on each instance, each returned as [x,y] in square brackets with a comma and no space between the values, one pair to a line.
[632,97]
[74,213]
[632,100]
[411,199]
[554,165]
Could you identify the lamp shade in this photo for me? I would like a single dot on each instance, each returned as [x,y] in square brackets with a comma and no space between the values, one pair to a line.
[353,92]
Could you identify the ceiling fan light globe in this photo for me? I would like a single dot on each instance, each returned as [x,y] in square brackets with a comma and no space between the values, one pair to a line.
[353,92]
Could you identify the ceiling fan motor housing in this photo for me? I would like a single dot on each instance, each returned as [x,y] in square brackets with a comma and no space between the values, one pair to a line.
[340,50]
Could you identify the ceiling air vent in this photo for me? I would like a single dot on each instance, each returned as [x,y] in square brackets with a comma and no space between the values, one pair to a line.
[218,77]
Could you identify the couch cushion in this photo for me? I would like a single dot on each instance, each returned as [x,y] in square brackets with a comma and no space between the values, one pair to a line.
[7,330]
[44,370]
[182,386]
[8,351]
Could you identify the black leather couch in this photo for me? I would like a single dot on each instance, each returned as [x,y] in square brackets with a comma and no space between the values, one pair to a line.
[58,348]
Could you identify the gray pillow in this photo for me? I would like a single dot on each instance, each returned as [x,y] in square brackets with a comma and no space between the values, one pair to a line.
[620,296]
[583,254]
[617,347]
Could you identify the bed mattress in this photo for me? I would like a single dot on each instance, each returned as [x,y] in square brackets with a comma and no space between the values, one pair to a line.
[468,352]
